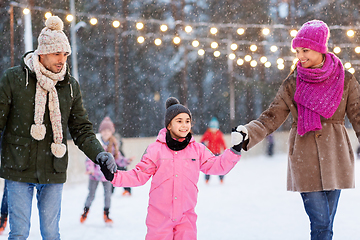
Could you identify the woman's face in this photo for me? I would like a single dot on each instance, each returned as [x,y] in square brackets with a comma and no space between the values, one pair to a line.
[308,58]
[180,126]
[106,134]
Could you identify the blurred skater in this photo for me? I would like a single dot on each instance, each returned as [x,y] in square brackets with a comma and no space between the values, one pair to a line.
[109,143]
[270,145]
[122,162]
[213,139]
[4,210]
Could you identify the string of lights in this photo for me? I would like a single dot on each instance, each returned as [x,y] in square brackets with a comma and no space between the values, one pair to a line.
[206,44]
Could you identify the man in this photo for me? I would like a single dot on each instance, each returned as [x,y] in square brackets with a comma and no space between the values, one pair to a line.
[38,101]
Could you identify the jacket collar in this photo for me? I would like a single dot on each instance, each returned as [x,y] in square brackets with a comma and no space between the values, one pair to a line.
[176,145]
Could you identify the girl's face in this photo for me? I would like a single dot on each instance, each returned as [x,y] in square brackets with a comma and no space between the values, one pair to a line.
[106,134]
[308,58]
[180,126]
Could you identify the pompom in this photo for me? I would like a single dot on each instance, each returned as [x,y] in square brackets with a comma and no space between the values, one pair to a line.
[58,149]
[38,131]
[54,23]
[171,101]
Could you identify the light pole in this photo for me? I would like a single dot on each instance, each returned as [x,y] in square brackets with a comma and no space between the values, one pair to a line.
[11,12]
[230,63]
[73,29]
[116,25]
[28,39]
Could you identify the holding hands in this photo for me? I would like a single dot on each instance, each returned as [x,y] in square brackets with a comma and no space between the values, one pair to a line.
[238,136]
[107,164]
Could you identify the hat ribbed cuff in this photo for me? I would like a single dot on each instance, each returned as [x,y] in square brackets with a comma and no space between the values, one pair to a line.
[53,48]
[308,43]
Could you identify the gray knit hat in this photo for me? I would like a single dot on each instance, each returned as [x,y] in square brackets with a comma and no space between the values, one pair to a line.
[173,108]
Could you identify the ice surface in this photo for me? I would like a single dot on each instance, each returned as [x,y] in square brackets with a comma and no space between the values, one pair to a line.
[252,204]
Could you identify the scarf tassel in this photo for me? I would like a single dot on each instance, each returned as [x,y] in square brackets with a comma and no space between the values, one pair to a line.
[38,131]
[58,149]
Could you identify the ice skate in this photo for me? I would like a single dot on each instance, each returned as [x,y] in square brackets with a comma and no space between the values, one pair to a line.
[107,220]
[84,215]
[3,222]
[126,193]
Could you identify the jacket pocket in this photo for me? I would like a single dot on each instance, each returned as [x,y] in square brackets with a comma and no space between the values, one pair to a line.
[192,169]
[16,152]
[60,164]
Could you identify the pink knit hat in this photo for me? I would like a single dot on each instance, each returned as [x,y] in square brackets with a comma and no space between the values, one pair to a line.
[107,124]
[52,39]
[313,35]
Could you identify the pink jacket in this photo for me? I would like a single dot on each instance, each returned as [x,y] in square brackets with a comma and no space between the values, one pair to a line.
[175,174]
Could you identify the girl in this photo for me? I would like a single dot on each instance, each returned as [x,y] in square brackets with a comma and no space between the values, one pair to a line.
[318,94]
[107,139]
[175,161]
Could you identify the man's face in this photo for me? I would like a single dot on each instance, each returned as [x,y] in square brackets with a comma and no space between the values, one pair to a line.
[54,62]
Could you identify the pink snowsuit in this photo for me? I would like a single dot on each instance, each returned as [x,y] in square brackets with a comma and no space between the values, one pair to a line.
[173,193]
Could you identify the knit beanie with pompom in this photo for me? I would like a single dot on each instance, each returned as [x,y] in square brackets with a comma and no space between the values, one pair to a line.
[52,39]
[173,108]
[106,123]
[313,35]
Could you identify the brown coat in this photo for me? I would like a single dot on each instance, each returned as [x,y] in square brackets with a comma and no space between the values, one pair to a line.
[319,160]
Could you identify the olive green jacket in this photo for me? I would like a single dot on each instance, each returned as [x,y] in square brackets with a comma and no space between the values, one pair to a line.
[25,159]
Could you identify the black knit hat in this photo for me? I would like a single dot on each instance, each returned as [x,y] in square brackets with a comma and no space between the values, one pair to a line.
[173,108]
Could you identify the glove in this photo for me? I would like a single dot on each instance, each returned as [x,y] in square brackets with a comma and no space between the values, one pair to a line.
[238,136]
[107,165]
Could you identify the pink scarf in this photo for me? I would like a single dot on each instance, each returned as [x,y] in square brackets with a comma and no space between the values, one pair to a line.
[318,92]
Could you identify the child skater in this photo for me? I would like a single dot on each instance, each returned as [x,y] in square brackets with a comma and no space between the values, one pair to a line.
[318,94]
[214,140]
[122,162]
[174,162]
[107,139]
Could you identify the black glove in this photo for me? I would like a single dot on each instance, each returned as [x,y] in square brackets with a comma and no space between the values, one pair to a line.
[107,165]
[238,136]
[107,174]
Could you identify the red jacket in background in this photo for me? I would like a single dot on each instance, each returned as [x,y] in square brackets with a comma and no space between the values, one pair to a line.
[214,141]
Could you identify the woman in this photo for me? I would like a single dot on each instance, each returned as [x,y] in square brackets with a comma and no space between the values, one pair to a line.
[318,94]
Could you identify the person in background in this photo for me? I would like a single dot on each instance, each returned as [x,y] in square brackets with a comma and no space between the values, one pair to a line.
[213,139]
[39,100]
[122,162]
[4,204]
[4,210]
[110,144]
[174,162]
[270,145]
[318,93]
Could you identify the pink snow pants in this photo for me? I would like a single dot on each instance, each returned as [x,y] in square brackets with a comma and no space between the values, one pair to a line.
[160,227]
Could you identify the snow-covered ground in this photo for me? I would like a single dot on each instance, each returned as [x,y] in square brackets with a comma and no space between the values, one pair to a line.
[252,204]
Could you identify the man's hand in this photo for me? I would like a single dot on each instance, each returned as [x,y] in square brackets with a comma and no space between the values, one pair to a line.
[107,164]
